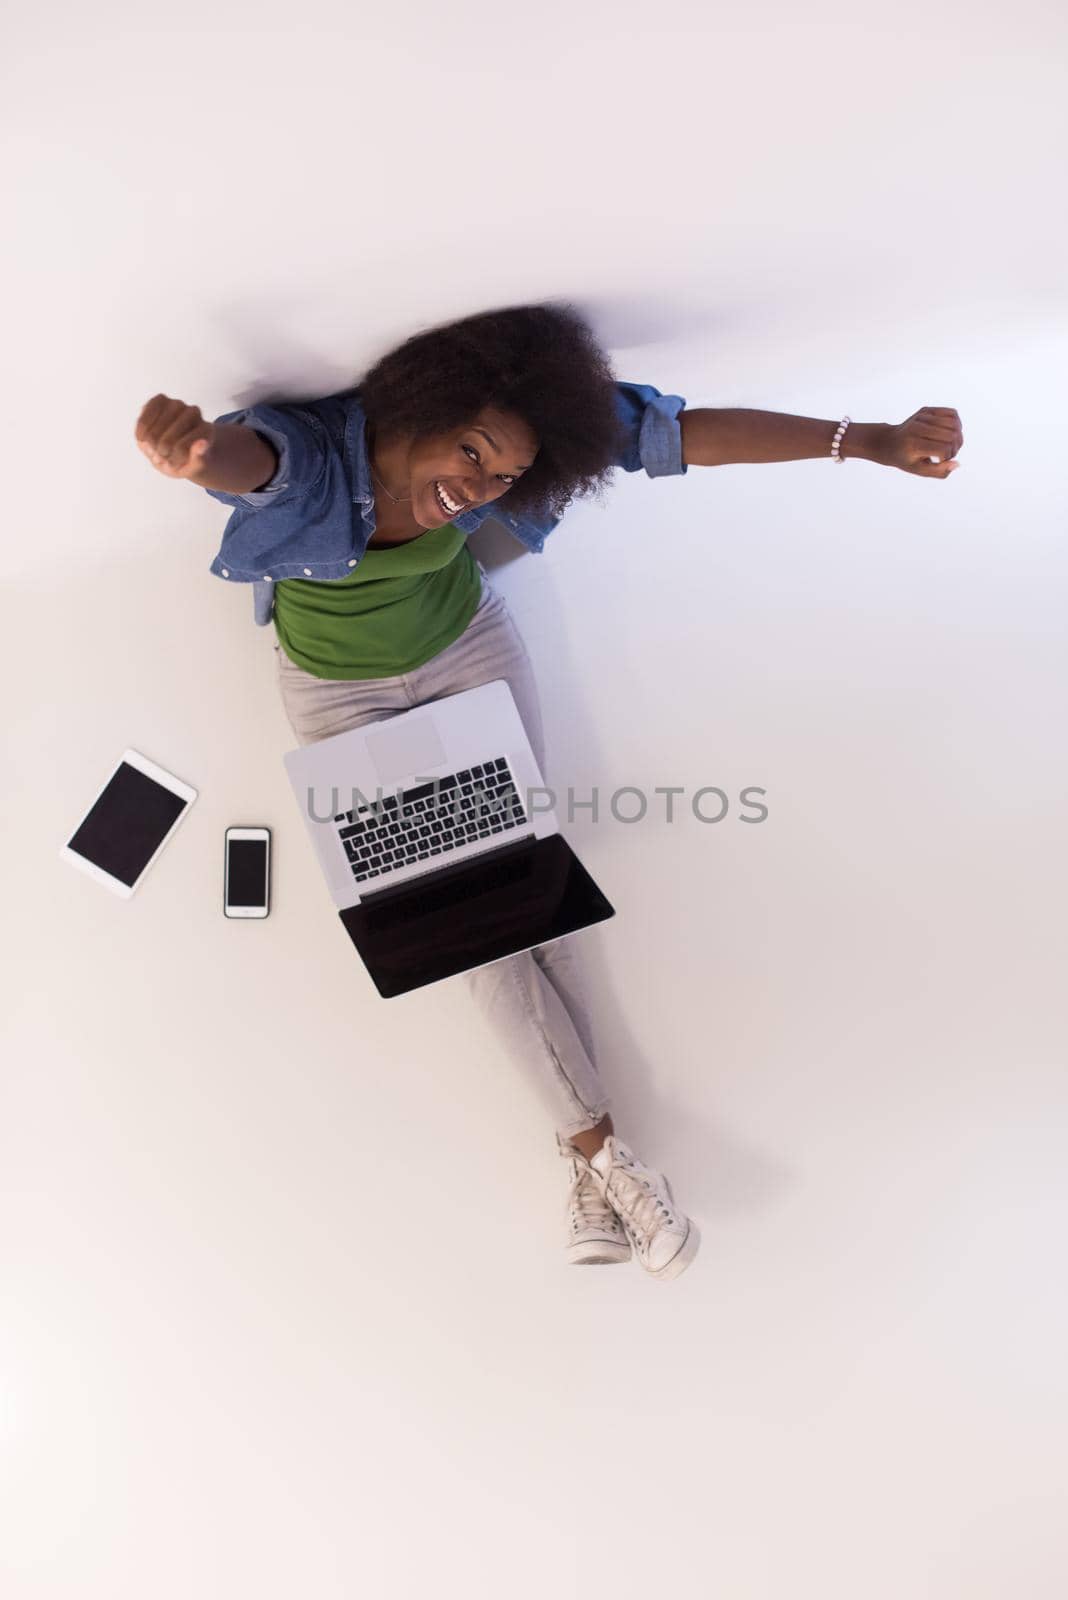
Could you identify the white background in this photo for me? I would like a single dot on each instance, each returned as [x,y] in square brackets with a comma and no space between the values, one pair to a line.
[285,1306]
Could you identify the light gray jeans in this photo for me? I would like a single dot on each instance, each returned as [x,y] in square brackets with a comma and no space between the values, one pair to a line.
[533,1001]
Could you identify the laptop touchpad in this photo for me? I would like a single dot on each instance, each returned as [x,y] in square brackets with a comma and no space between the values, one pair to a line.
[400,752]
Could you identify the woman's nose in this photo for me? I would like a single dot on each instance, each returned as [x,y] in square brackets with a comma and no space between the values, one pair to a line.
[476,489]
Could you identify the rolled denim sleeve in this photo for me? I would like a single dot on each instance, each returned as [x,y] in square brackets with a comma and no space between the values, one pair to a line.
[652,436]
[300,441]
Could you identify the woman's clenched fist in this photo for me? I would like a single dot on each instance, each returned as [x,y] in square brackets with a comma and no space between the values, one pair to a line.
[174,437]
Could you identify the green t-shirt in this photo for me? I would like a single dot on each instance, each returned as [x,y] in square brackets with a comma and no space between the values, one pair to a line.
[401,605]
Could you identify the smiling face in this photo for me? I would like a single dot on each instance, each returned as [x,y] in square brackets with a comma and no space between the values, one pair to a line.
[472,465]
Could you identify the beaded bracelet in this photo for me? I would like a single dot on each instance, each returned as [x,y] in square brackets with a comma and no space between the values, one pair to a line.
[842,426]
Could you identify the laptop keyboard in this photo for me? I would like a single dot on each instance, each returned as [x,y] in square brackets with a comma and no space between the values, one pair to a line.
[431,819]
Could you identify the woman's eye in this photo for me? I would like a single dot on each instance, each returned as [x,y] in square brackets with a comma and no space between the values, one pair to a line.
[506,476]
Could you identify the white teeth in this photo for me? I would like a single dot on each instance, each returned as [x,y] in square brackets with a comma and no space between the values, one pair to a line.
[443,497]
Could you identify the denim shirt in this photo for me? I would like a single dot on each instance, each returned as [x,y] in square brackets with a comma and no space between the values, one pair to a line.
[301,524]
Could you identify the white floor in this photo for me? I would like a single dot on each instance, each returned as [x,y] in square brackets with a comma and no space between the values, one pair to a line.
[285,1307]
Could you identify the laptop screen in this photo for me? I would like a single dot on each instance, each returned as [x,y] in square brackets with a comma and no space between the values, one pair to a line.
[464,916]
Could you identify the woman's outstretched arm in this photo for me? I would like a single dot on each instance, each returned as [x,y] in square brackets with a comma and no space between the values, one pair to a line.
[925,444]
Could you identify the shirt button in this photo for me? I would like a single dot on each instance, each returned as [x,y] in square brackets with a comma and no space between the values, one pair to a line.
[352,563]
[307,572]
[225,573]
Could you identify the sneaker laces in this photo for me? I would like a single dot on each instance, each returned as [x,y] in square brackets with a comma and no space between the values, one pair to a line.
[587,1201]
[639,1200]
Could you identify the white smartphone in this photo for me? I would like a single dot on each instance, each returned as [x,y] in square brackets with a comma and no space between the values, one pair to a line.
[247,872]
[129,822]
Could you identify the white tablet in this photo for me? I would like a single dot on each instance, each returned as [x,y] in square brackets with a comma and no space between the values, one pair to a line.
[129,822]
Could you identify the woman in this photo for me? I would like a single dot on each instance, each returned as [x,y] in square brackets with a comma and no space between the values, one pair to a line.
[514,412]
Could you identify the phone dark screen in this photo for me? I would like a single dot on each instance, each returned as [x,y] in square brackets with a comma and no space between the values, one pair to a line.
[246,874]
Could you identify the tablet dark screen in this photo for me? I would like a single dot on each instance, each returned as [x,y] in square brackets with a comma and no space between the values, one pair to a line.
[127,824]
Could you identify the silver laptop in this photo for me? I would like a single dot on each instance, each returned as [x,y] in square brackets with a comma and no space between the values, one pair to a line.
[438,840]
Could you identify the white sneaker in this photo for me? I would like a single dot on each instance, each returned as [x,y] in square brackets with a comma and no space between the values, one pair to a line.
[664,1239]
[595,1234]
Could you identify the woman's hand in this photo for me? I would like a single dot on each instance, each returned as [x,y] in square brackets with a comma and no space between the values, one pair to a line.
[174,437]
[925,443]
